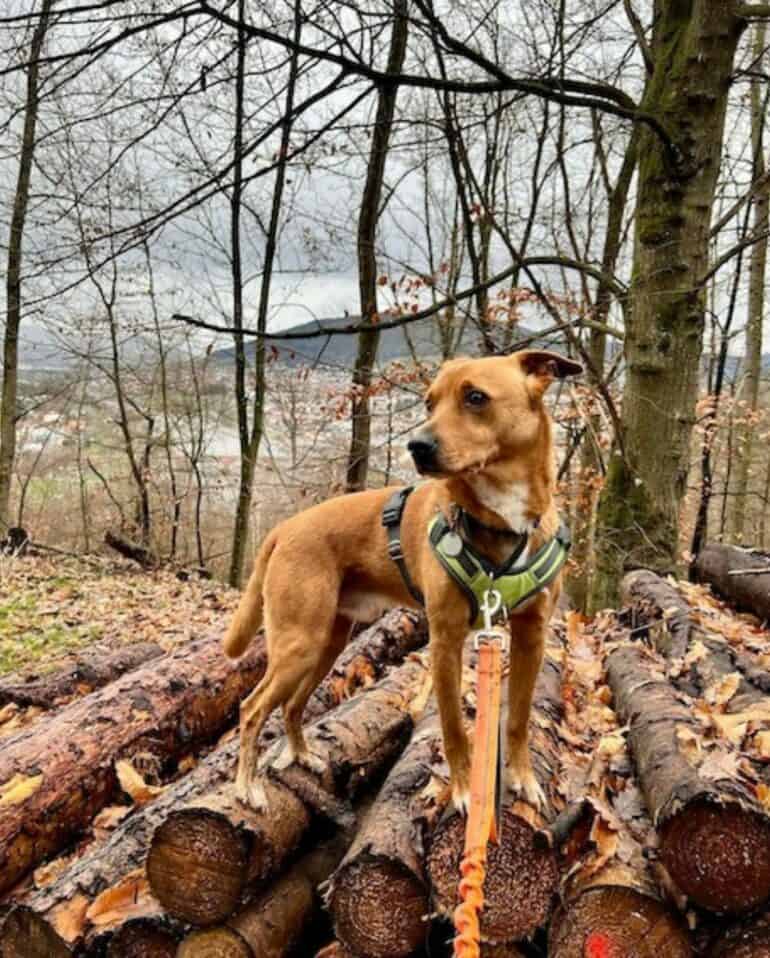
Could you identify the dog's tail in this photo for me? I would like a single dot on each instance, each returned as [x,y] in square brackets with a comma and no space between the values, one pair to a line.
[248,615]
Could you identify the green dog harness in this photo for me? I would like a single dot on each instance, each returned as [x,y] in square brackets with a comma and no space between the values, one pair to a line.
[474,574]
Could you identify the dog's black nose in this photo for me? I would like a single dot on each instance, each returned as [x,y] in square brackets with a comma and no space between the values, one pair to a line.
[423,450]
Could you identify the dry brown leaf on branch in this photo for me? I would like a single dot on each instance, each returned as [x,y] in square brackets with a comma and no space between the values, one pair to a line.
[134,785]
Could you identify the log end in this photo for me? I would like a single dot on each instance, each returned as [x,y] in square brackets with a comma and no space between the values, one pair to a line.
[606,921]
[750,940]
[142,939]
[23,934]
[214,943]
[379,907]
[522,877]
[197,865]
[719,855]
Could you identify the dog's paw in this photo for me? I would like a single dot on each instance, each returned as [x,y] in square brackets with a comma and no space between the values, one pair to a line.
[461,799]
[306,759]
[251,792]
[523,784]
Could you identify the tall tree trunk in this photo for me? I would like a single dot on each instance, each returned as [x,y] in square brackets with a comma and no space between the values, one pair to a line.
[13,280]
[250,438]
[590,453]
[758,270]
[368,340]
[694,44]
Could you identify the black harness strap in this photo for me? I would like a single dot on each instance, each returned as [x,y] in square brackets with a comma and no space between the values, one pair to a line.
[391,520]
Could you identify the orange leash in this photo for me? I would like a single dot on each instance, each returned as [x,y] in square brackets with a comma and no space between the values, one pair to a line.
[481,827]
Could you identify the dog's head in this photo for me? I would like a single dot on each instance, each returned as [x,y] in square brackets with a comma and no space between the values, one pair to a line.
[486,411]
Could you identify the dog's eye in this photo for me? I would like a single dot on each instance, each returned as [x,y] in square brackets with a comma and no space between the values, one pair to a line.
[429,406]
[476,398]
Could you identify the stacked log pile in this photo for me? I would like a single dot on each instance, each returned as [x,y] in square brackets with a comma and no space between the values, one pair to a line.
[650,736]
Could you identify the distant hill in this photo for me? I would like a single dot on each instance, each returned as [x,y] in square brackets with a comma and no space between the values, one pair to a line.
[341,350]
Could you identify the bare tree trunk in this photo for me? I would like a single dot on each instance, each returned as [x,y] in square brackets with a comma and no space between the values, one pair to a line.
[13,280]
[694,46]
[368,340]
[758,270]
[590,453]
[250,439]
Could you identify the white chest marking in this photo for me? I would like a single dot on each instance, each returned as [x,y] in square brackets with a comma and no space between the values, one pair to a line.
[510,502]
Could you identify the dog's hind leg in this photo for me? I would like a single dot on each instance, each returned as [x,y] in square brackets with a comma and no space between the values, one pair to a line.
[326,654]
[301,646]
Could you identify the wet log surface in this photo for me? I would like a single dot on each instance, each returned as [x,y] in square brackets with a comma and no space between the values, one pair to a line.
[748,592]
[522,870]
[78,674]
[204,855]
[105,865]
[715,836]
[58,773]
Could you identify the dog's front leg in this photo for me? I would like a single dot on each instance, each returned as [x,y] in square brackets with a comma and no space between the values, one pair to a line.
[528,632]
[446,649]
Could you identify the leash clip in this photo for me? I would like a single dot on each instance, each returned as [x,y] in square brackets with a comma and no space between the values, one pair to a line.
[490,607]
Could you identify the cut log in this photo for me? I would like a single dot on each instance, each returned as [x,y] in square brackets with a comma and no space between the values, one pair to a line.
[605,836]
[24,935]
[665,616]
[616,920]
[105,865]
[272,925]
[57,774]
[336,949]
[143,938]
[130,550]
[750,592]
[747,939]
[715,837]
[522,870]
[203,856]
[379,897]
[80,673]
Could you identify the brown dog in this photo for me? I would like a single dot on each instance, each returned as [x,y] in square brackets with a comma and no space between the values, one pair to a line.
[488,449]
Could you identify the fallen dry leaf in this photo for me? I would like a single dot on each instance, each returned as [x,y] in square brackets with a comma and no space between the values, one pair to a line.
[134,785]
[722,691]
[689,744]
[18,789]
[69,918]
[129,897]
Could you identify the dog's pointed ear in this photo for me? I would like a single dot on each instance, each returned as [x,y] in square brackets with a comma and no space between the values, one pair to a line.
[542,367]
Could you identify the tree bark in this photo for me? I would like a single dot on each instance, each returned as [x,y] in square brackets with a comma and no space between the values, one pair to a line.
[13,279]
[203,856]
[82,672]
[58,773]
[714,835]
[105,865]
[522,870]
[371,202]
[752,362]
[747,592]
[694,44]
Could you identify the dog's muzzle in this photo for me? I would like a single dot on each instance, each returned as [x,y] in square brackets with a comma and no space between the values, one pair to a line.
[424,450]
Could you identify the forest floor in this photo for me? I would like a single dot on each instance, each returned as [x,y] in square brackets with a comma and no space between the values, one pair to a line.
[52,606]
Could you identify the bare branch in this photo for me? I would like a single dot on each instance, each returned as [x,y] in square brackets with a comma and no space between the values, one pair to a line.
[641,39]
[756,11]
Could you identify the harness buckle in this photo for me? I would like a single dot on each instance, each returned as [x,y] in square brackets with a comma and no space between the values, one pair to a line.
[394,549]
[491,607]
